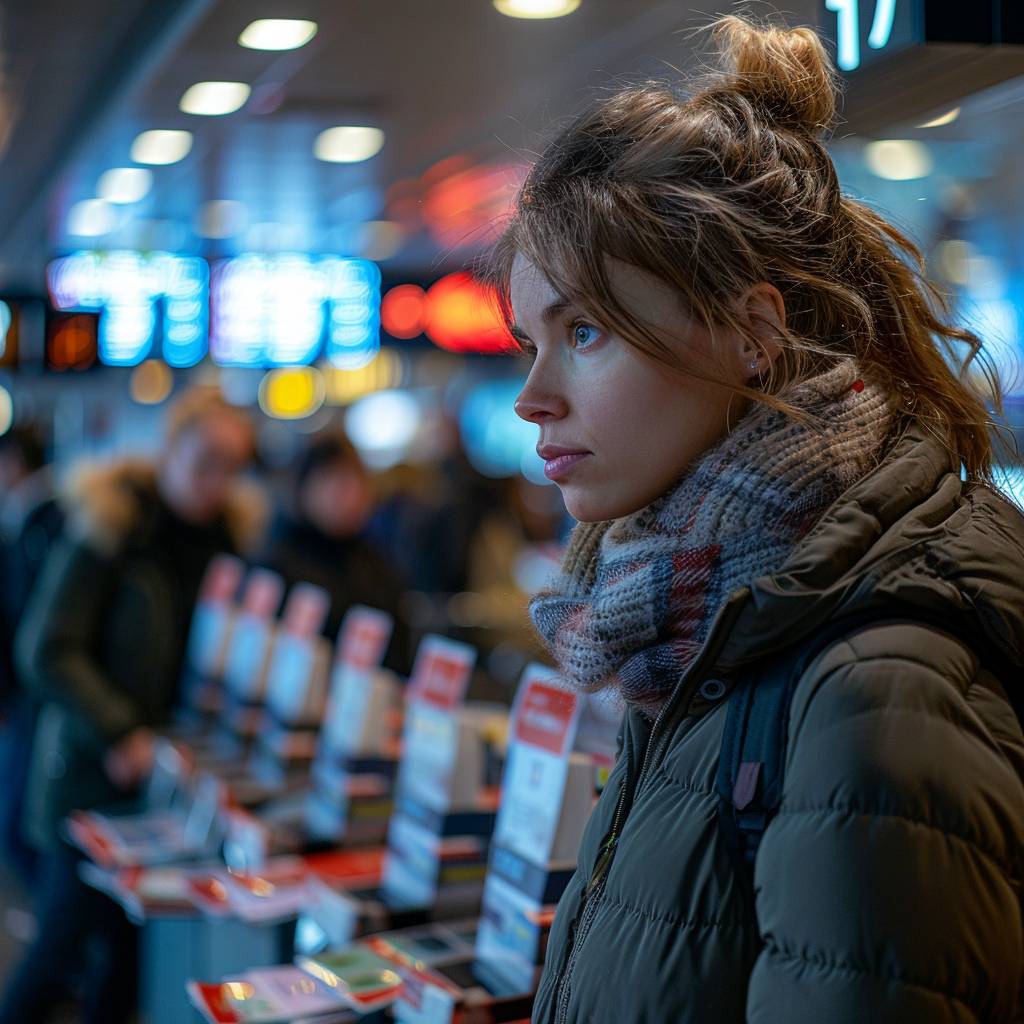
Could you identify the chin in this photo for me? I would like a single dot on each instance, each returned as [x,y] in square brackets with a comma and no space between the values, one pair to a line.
[597,508]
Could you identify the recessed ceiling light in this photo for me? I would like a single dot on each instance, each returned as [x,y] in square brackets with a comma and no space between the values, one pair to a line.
[161,147]
[348,144]
[91,217]
[277,34]
[212,99]
[938,122]
[221,218]
[536,8]
[898,159]
[124,184]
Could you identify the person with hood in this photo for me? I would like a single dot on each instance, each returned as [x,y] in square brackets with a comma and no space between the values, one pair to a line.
[100,647]
[322,539]
[747,393]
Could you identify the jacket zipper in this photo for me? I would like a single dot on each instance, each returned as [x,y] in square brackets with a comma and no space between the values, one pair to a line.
[595,885]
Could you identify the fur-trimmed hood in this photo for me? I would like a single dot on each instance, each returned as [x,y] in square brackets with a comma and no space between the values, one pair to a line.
[107,502]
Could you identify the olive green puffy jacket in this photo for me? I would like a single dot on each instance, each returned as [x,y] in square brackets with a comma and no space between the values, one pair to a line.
[888,885]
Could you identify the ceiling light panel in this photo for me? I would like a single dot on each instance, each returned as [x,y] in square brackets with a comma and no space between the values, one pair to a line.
[214,99]
[277,34]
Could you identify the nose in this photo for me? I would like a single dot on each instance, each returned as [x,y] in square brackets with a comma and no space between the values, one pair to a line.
[537,403]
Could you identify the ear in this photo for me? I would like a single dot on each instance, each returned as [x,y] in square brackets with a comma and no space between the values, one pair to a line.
[763,311]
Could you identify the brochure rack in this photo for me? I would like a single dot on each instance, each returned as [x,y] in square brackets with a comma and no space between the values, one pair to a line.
[248,658]
[547,794]
[208,640]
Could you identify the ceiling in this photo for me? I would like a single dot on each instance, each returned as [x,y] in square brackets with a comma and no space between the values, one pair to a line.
[443,79]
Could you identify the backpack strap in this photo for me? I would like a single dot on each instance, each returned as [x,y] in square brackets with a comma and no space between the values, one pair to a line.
[752,759]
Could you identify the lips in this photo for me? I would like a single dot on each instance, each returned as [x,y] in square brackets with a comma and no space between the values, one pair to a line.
[558,461]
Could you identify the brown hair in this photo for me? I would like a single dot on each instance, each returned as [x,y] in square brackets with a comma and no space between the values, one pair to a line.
[194,406]
[733,186]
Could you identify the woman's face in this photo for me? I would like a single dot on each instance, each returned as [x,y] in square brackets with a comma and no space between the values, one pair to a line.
[616,429]
[201,465]
[337,500]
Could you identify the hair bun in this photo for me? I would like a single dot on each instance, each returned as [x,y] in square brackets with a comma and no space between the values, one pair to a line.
[784,73]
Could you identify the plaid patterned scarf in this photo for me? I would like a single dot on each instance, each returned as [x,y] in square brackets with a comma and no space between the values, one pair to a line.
[636,596]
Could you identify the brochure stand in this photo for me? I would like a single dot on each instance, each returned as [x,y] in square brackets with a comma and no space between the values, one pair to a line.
[247,660]
[547,795]
[208,640]
[438,834]
[356,761]
[296,689]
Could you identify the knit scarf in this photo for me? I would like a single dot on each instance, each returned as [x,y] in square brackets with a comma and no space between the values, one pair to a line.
[636,596]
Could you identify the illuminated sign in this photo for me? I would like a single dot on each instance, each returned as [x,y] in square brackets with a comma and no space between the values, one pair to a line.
[126,288]
[864,30]
[288,309]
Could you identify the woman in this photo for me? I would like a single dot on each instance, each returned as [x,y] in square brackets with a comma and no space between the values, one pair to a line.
[100,648]
[742,392]
[323,540]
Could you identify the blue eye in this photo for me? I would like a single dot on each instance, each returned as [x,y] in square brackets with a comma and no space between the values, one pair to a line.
[584,334]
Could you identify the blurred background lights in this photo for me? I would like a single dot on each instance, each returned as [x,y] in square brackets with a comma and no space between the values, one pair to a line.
[384,371]
[536,8]
[124,184]
[383,426]
[292,393]
[401,311]
[212,99]
[91,218]
[150,382]
[161,147]
[348,144]
[221,218]
[498,443]
[898,159]
[6,410]
[277,34]
[381,239]
[948,118]
[125,286]
[460,315]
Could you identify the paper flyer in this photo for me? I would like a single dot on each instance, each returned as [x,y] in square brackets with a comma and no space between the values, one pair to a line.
[543,726]
[269,995]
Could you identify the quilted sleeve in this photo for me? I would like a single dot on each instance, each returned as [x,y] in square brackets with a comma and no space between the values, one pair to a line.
[888,886]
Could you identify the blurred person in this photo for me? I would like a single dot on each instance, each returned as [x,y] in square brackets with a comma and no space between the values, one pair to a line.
[323,539]
[30,520]
[100,647]
[746,390]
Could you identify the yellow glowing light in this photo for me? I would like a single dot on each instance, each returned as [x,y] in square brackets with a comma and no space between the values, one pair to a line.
[536,8]
[348,144]
[898,159]
[151,382]
[277,34]
[161,147]
[938,122]
[380,374]
[213,99]
[6,410]
[292,393]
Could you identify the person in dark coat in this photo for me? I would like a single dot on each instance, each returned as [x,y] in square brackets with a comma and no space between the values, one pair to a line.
[744,391]
[322,539]
[30,520]
[100,648]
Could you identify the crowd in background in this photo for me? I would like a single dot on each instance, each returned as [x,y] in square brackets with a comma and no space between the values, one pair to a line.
[98,580]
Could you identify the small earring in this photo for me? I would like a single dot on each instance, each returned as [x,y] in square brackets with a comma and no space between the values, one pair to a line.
[753,364]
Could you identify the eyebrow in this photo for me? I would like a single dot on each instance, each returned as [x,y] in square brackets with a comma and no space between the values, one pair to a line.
[548,314]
